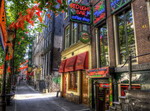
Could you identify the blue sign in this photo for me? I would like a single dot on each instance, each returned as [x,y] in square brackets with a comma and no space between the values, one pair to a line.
[80,13]
[117,4]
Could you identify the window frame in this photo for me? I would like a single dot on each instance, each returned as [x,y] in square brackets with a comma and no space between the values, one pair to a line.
[116,35]
[98,45]
[74,39]
[66,45]
[74,81]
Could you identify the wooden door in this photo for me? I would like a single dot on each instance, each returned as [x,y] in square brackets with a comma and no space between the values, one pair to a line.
[84,91]
[100,98]
[64,85]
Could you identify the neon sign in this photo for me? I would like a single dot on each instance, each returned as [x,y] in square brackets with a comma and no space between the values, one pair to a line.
[80,13]
[117,4]
[99,12]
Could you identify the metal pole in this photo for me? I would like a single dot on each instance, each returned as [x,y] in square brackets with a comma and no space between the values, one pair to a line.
[3,95]
[130,72]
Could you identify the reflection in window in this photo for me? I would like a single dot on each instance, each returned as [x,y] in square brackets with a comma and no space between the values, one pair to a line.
[103,46]
[67,36]
[72,80]
[126,36]
[74,37]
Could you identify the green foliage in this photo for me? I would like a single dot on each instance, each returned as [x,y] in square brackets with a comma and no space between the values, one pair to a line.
[1,56]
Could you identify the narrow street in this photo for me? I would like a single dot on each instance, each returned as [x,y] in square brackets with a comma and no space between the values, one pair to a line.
[27,99]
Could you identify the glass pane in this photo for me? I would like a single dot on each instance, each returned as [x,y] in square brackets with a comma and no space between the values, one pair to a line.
[126,36]
[84,28]
[103,46]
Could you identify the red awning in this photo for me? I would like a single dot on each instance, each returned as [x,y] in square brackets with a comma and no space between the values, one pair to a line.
[62,66]
[82,61]
[70,64]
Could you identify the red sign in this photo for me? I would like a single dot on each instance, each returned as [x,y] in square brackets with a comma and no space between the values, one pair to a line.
[99,72]
[62,66]
[82,61]
[70,64]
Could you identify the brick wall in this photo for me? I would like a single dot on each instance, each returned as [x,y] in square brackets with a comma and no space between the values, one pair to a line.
[142,29]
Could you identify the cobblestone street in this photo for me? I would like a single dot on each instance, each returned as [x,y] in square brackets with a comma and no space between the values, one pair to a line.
[27,99]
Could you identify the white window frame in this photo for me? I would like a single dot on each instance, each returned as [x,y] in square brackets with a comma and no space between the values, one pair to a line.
[116,38]
[67,41]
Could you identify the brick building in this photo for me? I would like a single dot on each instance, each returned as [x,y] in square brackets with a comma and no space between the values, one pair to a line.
[121,28]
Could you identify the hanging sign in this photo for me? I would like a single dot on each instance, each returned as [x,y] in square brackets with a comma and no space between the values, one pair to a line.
[98,73]
[99,12]
[117,4]
[80,13]
[84,37]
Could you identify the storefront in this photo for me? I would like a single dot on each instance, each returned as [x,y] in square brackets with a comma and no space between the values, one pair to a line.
[101,88]
[74,80]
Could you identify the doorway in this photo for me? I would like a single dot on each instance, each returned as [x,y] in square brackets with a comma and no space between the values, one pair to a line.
[102,94]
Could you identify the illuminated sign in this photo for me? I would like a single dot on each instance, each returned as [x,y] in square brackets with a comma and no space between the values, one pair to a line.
[99,12]
[98,73]
[117,4]
[80,13]
[84,37]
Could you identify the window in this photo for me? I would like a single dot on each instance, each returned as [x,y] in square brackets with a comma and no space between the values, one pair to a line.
[67,36]
[84,28]
[103,46]
[74,34]
[73,80]
[126,40]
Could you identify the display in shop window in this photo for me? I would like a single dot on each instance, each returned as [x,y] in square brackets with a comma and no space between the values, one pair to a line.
[99,12]
[80,13]
[117,4]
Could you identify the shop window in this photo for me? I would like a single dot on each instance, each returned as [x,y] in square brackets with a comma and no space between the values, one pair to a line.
[126,40]
[67,36]
[73,81]
[125,87]
[103,43]
[74,33]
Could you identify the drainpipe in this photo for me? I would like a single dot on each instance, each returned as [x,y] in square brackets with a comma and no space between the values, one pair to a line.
[52,43]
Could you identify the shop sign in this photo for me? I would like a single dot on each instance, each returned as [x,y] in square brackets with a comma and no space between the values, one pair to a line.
[98,73]
[117,4]
[104,85]
[99,12]
[84,37]
[80,13]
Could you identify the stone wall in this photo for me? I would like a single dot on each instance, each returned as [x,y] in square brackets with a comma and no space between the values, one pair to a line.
[73,98]
[135,100]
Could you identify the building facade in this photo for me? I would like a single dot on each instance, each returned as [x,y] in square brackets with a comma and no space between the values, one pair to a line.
[120,29]
[47,57]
